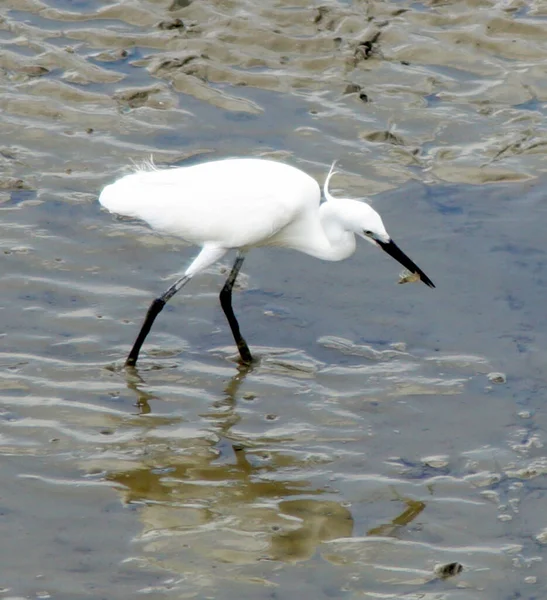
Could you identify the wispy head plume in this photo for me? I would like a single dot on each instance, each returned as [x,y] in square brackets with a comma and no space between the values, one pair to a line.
[326,192]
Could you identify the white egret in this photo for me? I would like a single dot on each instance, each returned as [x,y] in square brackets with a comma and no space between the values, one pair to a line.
[237,204]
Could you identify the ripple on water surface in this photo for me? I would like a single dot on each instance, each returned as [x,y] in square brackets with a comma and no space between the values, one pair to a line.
[375,443]
[236,472]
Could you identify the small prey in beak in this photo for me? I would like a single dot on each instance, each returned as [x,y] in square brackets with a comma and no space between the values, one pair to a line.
[395,252]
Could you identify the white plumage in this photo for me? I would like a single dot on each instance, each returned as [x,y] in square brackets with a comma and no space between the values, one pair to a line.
[234,203]
[240,203]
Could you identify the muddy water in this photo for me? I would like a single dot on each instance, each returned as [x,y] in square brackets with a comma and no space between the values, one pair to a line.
[386,429]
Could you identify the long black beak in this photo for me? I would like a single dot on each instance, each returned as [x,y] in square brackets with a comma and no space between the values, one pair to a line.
[393,250]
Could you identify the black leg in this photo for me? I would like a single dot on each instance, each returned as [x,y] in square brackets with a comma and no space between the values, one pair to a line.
[155,308]
[226,303]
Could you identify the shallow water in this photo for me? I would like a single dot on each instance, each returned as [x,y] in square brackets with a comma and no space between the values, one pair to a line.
[373,440]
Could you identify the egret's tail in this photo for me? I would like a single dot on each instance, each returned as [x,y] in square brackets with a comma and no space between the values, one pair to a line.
[119,198]
[123,195]
[109,197]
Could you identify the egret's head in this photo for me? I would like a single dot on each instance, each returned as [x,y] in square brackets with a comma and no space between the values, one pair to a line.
[362,220]
[368,224]
[358,217]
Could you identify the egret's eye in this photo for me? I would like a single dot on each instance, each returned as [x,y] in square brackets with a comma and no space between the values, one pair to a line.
[368,233]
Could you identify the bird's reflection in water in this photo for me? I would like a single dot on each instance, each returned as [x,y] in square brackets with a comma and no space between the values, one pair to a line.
[137,385]
[216,496]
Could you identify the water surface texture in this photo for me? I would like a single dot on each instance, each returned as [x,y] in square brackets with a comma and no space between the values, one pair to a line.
[387,430]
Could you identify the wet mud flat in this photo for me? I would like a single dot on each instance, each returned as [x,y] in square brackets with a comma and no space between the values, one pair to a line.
[389,434]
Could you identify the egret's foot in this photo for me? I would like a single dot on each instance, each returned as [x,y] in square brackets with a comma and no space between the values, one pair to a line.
[245,353]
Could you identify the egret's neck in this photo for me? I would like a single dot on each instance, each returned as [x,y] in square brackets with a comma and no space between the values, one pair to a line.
[336,241]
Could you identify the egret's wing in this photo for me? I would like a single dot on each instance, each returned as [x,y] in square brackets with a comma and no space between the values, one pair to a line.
[232,203]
